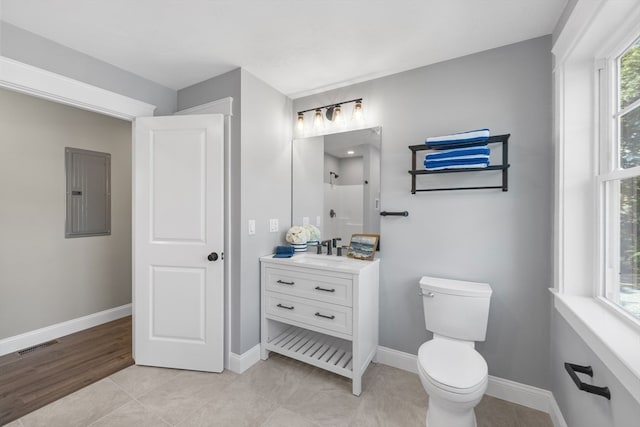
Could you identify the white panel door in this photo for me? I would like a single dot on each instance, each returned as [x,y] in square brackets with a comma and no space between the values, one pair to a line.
[178,300]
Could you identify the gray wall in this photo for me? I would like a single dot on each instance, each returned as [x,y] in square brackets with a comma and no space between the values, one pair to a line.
[331,164]
[30,48]
[266,189]
[580,408]
[259,165]
[351,171]
[564,17]
[489,236]
[44,278]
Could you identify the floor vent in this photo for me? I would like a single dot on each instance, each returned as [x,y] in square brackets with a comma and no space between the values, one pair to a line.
[36,347]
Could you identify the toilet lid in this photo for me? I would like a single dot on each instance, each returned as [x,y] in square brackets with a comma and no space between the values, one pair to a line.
[454,365]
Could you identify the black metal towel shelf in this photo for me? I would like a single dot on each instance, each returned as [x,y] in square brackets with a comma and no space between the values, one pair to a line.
[572,369]
[385,213]
[503,168]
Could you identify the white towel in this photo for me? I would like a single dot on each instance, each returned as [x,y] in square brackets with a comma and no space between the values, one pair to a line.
[470,136]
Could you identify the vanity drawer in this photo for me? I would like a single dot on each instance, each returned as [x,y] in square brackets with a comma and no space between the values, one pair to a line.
[334,290]
[322,315]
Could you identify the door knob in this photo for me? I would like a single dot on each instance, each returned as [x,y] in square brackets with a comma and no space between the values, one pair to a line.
[213,256]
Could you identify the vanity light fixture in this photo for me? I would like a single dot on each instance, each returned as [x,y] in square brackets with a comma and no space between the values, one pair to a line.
[337,116]
[333,113]
[300,124]
[358,116]
[318,121]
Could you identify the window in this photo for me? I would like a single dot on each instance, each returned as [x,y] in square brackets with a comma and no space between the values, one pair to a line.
[620,182]
[591,269]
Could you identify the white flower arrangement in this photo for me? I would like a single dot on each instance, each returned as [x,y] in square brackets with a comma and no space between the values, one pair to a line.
[297,235]
[314,232]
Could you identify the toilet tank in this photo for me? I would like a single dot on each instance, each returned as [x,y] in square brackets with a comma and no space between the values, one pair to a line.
[456,308]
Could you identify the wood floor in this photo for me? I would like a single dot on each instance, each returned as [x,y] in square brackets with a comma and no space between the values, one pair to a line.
[36,378]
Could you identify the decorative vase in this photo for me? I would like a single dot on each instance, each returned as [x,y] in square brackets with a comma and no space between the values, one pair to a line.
[299,247]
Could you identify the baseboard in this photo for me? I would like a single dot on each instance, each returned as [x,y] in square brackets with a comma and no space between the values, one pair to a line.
[397,359]
[511,391]
[556,415]
[31,338]
[522,394]
[242,362]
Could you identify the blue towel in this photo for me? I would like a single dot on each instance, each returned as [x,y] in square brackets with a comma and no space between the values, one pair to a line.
[459,153]
[478,135]
[284,252]
[456,164]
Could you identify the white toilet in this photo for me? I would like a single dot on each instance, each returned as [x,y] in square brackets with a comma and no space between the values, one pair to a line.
[452,372]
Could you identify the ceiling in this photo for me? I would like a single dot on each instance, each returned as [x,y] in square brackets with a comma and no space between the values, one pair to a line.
[297,46]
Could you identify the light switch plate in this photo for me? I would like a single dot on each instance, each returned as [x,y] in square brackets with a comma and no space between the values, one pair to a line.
[252,227]
[273,225]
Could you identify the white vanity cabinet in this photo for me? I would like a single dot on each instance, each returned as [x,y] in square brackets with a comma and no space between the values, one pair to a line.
[322,310]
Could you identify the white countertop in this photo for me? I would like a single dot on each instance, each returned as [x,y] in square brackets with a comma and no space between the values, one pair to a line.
[322,262]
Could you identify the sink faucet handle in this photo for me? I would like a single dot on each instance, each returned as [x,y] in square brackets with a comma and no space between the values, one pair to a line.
[335,239]
[328,243]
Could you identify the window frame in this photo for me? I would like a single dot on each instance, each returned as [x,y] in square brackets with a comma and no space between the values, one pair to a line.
[591,31]
[609,171]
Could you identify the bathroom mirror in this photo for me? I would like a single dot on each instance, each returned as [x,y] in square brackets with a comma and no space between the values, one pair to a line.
[336,183]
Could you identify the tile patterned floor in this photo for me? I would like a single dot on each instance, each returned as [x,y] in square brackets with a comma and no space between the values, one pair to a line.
[279,392]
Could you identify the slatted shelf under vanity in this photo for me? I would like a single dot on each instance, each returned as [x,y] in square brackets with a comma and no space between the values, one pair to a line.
[323,351]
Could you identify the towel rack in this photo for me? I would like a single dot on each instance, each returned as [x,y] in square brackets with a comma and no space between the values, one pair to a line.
[572,369]
[385,213]
[502,139]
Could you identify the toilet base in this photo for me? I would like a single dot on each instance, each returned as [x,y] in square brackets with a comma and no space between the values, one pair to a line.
[446,416]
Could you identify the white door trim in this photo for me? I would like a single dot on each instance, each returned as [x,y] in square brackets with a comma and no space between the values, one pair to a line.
[37,82]
[219,106]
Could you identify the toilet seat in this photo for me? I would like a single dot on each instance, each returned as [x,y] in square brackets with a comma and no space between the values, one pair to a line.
[451,366]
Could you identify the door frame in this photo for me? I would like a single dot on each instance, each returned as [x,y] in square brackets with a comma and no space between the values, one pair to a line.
[38,82]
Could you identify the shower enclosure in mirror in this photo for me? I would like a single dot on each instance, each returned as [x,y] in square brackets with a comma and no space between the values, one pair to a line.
[336,183]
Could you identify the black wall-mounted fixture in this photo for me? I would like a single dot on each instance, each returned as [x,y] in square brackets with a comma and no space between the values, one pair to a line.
[333,113]
[573,368]
[385,213]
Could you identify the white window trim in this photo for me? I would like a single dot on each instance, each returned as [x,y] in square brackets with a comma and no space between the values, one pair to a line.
[593,29]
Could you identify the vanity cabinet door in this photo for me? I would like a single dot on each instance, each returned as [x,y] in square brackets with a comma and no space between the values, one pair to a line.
[330,289]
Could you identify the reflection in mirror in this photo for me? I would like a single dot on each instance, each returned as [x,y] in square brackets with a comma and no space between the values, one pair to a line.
[336,183]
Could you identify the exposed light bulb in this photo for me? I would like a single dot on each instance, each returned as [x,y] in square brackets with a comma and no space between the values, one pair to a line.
[338,118]
[358,116]
[300,124]
[351,152]
[318,121]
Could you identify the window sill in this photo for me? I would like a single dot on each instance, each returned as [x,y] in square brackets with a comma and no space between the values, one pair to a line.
[615,342]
